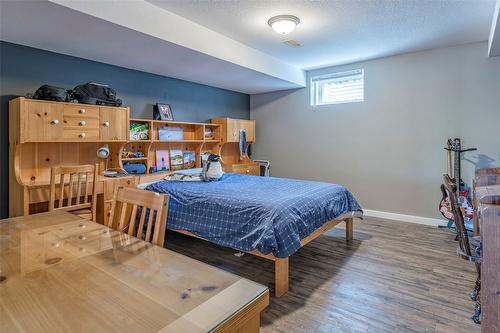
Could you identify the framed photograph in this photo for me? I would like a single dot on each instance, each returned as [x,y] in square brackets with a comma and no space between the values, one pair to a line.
[164,112]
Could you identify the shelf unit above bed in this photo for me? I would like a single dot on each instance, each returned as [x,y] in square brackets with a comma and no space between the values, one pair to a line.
[193,140]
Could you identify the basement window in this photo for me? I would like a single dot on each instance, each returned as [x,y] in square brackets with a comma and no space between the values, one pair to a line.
[337,88]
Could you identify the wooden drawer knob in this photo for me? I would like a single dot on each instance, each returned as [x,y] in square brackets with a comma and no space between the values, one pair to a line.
[81,111]
[106,124]
[82,123]
[82,135]
[55,122]
[248,171]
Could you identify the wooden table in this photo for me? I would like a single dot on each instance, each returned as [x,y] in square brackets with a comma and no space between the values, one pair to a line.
[60,273]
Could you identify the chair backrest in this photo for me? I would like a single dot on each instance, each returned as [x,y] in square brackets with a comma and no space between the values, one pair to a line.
[79,181]
[463,238]
[133,209]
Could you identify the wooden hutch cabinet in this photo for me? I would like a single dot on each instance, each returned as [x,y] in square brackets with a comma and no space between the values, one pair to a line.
[229,147]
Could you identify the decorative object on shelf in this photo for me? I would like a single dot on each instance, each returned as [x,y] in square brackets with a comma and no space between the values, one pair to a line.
[135,168]
[139,154]
[139,131]
[163,112]
[209,134]
[166,133]
[162,160]
[176,159]
[189,158]
[132,154]
[103,153]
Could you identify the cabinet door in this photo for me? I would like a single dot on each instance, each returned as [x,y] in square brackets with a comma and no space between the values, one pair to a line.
[234,126]
[42,121]
[249,127]
[113,123]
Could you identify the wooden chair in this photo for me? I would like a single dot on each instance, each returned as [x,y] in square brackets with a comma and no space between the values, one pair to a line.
[132,209]
[469,249]
[81,195]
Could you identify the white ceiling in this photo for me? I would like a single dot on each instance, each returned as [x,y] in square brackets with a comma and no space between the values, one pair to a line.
[342,31]
[138,35]
[227,43]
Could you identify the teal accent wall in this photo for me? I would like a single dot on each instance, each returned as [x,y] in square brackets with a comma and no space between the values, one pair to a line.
[24,69]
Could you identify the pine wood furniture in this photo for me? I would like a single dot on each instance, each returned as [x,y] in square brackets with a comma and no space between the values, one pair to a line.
[85,277]
[44,134]
[490,279]
[134,208]
[80,198]
[229,147]
[486,200]
[483,178]
[194,140]
[32,155]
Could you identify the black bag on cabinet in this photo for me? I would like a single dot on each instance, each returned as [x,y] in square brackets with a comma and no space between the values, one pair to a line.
[52,93]
[95,93]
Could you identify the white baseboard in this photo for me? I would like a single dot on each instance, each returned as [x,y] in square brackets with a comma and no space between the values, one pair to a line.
[404,217]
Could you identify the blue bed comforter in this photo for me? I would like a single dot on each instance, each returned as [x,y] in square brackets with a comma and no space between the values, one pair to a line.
[246,212]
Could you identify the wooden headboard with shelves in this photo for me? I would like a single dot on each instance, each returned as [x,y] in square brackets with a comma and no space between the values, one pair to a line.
[43,134]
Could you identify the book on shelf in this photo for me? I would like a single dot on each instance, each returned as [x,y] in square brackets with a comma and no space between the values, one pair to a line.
[189,158]
[209,134]
[162,160]
[176,159]
[166,133]
[139,131]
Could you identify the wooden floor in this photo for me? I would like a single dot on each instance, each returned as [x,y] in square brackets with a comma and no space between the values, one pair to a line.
[393,277]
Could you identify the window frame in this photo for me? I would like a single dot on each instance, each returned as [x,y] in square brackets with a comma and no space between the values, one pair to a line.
[316,82]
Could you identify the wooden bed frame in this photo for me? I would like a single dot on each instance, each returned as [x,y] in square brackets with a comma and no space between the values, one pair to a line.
[281,264]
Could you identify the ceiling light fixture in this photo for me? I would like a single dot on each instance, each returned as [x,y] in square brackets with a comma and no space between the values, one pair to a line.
[283,24]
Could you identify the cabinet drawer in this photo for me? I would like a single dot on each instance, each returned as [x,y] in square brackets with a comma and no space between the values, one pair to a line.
[81,134]
[80,123]
[248,169]
[81,111]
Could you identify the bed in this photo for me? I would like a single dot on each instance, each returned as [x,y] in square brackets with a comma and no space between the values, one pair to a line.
[264,216]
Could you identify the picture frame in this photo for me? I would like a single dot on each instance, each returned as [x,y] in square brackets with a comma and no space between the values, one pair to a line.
[163,112]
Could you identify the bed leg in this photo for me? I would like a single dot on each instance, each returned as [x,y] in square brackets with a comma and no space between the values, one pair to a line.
[280,276]
[348,229]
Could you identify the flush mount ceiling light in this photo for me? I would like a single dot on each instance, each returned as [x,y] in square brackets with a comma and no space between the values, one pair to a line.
[283,24]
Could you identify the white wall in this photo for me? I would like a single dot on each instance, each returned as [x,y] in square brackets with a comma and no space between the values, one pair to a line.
[388,150]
